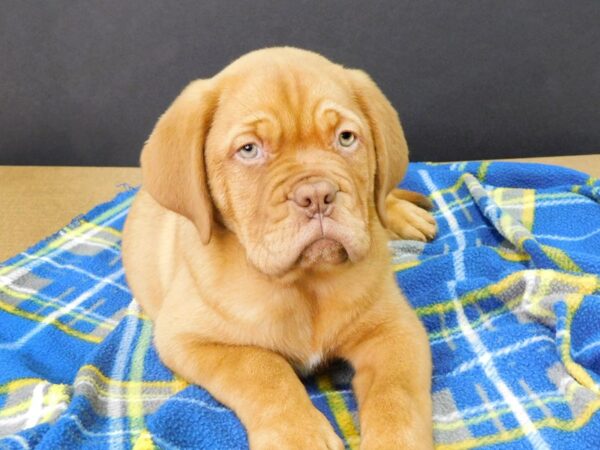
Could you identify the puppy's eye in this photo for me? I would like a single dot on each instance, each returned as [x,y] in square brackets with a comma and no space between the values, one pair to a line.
[249,152]
[346,138]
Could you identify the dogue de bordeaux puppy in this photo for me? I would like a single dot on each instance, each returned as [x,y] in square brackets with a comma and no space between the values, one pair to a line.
[258,246]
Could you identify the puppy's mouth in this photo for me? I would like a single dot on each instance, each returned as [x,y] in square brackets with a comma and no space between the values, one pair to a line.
[315,244]
[323,251]
[324,242]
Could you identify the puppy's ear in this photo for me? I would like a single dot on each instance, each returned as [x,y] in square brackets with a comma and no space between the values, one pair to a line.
[173,167]
[390,145]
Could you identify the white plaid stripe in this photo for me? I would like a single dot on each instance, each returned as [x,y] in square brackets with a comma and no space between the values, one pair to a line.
[486,359]
[61,312]
[118,373]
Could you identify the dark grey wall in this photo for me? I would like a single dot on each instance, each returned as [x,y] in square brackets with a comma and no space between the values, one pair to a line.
[82,83]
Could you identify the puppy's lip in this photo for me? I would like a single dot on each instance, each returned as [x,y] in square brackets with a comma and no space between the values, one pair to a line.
[327,232]
[323,251]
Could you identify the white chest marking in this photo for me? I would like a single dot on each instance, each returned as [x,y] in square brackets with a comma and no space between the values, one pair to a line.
[313,361]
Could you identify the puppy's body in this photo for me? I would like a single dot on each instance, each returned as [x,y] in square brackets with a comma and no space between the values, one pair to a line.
[237,304]
[229,300]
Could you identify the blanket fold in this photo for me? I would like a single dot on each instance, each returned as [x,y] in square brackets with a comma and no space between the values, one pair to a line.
[509,292]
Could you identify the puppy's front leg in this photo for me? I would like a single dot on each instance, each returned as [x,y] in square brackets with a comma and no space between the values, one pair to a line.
[392,383]
[258,385]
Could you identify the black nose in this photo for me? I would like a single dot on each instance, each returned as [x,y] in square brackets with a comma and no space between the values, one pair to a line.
[316,197]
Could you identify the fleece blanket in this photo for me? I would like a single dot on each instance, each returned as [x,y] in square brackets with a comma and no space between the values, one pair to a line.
[508,291]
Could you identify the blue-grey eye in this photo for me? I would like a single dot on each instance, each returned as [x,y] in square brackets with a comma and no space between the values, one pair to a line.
[249,151]
[346,138]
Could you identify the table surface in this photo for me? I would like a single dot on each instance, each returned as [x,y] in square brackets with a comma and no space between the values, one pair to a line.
[36,201]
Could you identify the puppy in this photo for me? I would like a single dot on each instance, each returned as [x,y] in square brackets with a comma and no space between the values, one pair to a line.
[258,246]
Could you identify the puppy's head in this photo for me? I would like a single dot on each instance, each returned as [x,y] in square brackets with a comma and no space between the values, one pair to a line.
[289,151]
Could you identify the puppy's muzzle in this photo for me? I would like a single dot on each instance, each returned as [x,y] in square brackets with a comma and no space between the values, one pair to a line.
[315,198]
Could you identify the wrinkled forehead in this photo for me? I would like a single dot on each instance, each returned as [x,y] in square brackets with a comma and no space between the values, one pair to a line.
[295,97]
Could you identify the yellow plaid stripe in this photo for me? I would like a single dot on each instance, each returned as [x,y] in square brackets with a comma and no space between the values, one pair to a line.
[510,435]
[59,325]
[573,302]
[340,410]
[55,395]
[144,441]
[528,214]
[529,201]
[497,413]
[482,171]
[561,259]
[135,394]
[586,284]
[49,304]
[174,385]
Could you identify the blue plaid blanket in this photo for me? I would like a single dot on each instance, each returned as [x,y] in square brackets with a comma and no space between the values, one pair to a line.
[508,291]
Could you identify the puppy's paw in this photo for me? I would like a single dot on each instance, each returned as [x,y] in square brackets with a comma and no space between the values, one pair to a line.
[407,216]
[308,430]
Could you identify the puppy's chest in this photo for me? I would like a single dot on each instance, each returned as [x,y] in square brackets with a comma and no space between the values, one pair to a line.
[305,331]
[305,339]
[310,364]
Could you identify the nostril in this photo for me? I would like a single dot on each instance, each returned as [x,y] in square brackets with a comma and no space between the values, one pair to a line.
[303,196]
[305,202]
[330,197]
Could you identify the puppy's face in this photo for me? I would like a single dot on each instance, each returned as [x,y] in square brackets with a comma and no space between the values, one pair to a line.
[284,147]
[290,166]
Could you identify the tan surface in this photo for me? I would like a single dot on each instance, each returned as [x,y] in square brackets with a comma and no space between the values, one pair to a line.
[585,163]
[37,201]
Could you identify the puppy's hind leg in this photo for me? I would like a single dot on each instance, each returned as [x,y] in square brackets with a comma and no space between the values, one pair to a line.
[408,216]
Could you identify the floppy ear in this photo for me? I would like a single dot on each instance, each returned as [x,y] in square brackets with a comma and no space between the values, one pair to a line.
[173,168]
[391,150]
